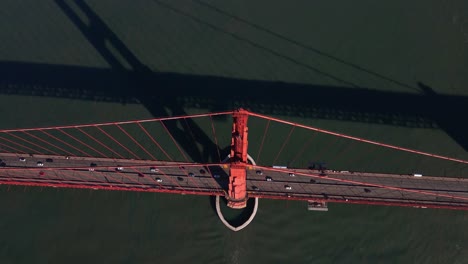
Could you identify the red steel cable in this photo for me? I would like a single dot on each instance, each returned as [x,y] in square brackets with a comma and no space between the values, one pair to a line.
[50,151]
[116,141]
[40,169]
[21,145]
[58,139]
[284,144]
[136,142]
[47,142]
[119,123]
[118,153]
[364,183]
[326,149]
[343,150]
[155,142]
[77,140]
[99,142]
[112,138]
[367,202]
[175,164]
[194,140]
[216,138]
[99,152]
[304,147]
[14,149]
[359,139]
[263,140]
[110,188]
[173,140]
[108,148]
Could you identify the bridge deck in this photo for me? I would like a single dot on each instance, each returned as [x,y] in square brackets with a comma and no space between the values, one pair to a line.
[212,179]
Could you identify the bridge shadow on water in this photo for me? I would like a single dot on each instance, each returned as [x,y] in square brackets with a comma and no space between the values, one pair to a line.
[129,81]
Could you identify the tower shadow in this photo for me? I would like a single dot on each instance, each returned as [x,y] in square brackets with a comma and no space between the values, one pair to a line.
[129,81]
[448,113]
[123,62]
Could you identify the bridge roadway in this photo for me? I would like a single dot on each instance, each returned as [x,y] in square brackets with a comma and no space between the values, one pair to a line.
[212,179]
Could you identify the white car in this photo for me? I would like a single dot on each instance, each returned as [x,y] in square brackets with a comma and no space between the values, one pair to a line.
[153,169]
[287,187]
[158,180]
[119,168]
[22,159]
[292,174]
[40,164]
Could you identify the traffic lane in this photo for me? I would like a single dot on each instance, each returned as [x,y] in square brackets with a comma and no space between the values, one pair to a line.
[111,186]
[74,162]
[327,190]
[168,176]
[407,182]
[178,175]
[400,181]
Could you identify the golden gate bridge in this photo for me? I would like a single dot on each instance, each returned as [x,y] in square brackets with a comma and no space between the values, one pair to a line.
[146,156]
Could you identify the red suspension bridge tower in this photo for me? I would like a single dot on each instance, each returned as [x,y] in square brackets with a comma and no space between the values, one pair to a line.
[237,193]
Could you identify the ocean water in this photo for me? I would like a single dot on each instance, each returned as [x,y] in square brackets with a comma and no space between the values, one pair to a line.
[393,72]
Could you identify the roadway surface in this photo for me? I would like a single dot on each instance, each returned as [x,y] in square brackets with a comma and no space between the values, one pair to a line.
[212,179]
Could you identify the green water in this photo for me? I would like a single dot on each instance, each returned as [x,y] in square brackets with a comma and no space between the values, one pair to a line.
[381,47]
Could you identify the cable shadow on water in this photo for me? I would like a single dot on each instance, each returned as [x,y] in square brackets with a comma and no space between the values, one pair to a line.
[448,113]
[255,44]
[103,39]
[301,45]
[165,93]
[135,74]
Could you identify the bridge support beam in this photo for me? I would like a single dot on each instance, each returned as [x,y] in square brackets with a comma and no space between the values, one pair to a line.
[237,193]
